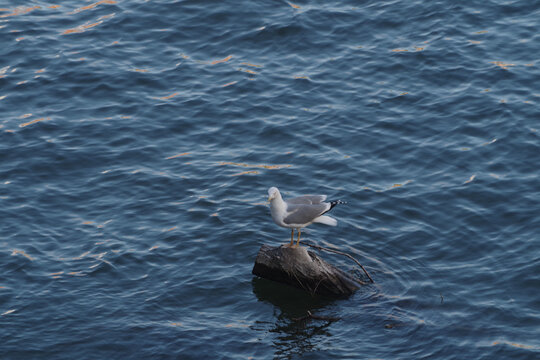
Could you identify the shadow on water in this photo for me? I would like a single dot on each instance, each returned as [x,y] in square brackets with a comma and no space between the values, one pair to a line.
[293,333]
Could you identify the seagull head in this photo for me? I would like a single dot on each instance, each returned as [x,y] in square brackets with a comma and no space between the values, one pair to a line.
[273,193]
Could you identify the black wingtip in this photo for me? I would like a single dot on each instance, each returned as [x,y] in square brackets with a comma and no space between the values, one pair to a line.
[334,203]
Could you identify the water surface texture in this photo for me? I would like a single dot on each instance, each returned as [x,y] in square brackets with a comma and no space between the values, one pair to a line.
[138,140]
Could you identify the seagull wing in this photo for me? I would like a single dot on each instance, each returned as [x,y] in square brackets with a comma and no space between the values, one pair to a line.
[307,199]
[303,214]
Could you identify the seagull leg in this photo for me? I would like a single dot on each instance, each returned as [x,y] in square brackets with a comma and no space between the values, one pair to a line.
[298,241]
[292,237]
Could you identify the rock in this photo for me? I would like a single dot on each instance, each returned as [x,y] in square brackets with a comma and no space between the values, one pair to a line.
[298,267]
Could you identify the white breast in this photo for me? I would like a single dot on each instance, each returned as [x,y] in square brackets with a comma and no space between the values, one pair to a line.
[278,209]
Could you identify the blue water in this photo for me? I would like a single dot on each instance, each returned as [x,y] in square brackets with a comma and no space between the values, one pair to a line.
[138,140]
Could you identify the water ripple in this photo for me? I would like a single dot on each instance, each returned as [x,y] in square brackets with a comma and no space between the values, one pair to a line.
[138,140]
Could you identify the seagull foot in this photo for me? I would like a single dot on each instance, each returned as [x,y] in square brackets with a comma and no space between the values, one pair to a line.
[294,246]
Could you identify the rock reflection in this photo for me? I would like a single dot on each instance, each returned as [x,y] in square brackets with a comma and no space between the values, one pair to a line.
[293,333]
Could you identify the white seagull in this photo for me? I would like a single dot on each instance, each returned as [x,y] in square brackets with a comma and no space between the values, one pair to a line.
[301,211]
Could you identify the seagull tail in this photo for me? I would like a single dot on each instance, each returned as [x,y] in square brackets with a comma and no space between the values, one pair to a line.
[327,220]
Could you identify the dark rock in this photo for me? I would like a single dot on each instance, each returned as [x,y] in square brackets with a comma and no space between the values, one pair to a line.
[298,267]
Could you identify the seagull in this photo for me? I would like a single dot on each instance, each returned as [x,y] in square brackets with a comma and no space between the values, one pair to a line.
[301,211]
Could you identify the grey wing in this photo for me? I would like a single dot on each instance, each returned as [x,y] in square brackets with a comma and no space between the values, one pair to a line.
[304,214]
[307,199]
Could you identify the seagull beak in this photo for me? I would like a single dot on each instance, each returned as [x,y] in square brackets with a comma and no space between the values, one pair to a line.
[269,199]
